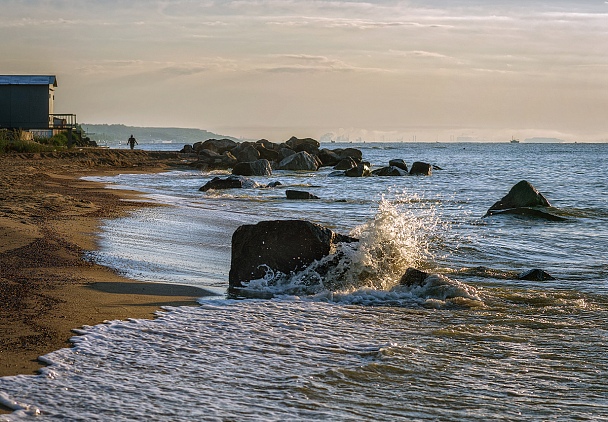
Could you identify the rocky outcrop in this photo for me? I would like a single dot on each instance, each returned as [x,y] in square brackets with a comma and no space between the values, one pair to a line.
[230,182]
[299,161]
[299,194]
[280,246]
[253,168]
[421,169]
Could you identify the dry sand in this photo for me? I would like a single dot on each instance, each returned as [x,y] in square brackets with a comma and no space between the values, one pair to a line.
[48,219]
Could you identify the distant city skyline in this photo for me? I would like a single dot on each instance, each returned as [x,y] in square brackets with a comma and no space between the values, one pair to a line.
[409,70]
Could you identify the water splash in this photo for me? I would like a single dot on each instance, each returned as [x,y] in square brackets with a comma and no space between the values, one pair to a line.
[395,239]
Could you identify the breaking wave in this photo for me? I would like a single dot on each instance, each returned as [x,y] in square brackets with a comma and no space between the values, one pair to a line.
[368,271]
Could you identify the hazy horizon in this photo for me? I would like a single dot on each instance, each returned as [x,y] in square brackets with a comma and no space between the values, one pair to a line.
[429,71]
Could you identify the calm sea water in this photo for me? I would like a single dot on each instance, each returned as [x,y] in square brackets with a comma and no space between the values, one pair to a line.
[473,344]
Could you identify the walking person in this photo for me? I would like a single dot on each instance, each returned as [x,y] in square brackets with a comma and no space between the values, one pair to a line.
[132,142]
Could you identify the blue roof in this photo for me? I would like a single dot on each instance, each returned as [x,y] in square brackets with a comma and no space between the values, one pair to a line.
[28,80]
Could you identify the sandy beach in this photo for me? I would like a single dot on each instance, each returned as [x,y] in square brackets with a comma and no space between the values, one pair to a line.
[49,218]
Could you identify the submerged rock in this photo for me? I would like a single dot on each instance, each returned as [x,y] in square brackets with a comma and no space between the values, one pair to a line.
[389,171]
[230,182]
[299,194]
[535,275]
[281,246]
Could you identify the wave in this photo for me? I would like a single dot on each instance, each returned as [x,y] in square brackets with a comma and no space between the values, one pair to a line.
[369,271]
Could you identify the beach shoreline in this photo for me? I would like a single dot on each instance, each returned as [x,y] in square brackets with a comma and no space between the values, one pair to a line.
[49,218]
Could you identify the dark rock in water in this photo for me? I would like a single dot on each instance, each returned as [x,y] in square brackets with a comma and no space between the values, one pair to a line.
[362,170]
[281,246]
[299,194]
[535,275]
[273,184]
[521,200]
[528,212]
[422,169]
[299,161]
[399,163]
[254,168]
[523,194]
[230,182]
[346,164]
[413,277]
[389,171]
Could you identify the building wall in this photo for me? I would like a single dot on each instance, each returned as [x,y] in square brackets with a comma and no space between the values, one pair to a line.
[25,106]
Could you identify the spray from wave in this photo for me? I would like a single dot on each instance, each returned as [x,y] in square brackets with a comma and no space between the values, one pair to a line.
[395,239]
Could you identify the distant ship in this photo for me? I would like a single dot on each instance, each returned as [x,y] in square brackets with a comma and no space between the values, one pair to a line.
[514,141]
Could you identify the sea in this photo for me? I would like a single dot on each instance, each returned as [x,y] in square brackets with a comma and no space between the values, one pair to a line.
[474,343]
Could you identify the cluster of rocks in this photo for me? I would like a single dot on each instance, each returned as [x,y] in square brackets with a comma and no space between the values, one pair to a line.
[260,158]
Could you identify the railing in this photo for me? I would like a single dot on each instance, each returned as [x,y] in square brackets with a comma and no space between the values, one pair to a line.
[62,121]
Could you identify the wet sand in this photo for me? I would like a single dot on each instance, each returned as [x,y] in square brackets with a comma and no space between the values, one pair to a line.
[49,218]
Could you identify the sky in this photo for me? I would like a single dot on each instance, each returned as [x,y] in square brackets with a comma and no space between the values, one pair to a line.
[386,70]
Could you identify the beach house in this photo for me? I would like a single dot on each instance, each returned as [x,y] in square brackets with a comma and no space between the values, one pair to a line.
[27,104]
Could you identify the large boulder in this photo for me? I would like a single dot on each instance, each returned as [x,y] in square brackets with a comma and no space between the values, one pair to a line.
[230,182]
[253,168]
[523,194]
[309,145]
[421,169]
[281,246]
[299,161]
[389,171]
